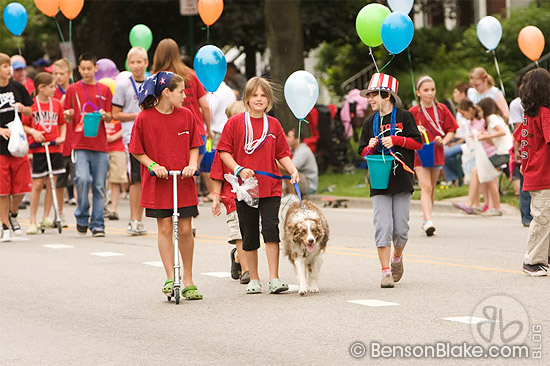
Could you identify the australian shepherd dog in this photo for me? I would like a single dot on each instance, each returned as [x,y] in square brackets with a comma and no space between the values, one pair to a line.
[305,238]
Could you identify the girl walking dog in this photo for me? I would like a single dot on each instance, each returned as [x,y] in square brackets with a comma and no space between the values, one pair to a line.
[165,137]
[389,134]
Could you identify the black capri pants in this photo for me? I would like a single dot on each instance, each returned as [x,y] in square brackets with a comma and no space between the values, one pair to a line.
[249,218]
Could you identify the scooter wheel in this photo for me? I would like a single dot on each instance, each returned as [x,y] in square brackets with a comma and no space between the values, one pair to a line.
[42,230]
[177,297]
[59,227]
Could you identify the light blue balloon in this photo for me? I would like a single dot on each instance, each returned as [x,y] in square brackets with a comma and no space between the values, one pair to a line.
[210,66]
[397,32]
[301,93]
[404,6]
[15,18]
[489,32]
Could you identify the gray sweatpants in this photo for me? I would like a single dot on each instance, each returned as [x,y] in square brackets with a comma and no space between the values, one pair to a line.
[391,219]
[538,244]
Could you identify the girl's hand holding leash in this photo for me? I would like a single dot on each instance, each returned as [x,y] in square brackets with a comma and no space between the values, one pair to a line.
[246,173]
[295,177]
[387,142]
[188,172]
[160,171]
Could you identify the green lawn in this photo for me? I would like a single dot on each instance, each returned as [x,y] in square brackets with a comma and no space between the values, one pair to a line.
[355,185]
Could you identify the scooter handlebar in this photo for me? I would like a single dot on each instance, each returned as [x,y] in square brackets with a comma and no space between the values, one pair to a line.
[175,172]
[39,144]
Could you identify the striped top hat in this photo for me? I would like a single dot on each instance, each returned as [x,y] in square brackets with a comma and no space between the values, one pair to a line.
[383,82]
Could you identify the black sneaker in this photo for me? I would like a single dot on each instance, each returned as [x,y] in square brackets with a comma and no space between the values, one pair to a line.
[112,215]
[245,278]
[535,270]
[235,267]
[14,223]
[98,233]
[81,229]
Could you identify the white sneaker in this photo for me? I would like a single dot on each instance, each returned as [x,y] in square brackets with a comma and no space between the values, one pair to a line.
[6,235]
[428,227]
[141,229]
[133,228]
[62,219]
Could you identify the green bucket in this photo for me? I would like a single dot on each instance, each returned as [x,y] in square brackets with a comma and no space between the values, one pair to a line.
[379,170]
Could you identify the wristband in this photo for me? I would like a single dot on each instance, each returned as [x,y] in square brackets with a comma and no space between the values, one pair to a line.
[151,166]
[238,169]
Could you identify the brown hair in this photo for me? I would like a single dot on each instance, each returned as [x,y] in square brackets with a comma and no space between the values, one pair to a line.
[234,108]
[167,58]
[4,59]
[466,104]
[462,87]
[251,86]
[152,100]
[489,106]
[535,91]
[481,73]
[42,78]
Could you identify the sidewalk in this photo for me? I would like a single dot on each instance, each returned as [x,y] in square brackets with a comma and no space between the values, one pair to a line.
[439,206]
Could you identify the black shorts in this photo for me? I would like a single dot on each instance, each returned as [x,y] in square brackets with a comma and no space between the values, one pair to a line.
[66,179]
[40,164]
[249,223]
[134,170]
[159,213]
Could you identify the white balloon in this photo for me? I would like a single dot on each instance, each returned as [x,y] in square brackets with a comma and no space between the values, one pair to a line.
[301,93]
[404,6]
[489,32]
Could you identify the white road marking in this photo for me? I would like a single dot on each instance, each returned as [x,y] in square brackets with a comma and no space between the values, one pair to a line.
[57,246]
[154,264]
[217,274]
[469,320]
[18,238]
[106,254]
[373,303]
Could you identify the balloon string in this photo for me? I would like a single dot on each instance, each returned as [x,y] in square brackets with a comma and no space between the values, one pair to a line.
[208,34]
[412,72]
[382,69]
[537,63]
[498,73]
[373,59]
[70,30]
[59,29]
[19,48]
[300,126]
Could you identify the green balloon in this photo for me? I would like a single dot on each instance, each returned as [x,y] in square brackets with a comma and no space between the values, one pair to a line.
[141,36]
[369,23]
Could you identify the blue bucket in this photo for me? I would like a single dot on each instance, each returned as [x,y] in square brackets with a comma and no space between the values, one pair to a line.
[427,155]
[379,170]
[91,124]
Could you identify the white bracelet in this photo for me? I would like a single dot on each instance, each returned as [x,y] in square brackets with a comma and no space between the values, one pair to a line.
[236,169]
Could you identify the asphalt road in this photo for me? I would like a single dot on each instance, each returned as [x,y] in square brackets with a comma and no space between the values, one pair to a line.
[62,303]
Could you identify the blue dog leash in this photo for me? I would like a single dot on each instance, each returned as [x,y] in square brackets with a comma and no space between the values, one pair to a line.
[279,177]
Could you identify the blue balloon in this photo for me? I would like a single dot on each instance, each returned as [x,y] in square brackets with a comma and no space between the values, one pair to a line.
[15,18]
[397,32]
[301,93]
[210,66]
[489,32]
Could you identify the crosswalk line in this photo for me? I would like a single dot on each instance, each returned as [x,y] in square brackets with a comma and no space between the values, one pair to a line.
[154,264]
[217,274]
[106,254]
[373,303]
[469,320]
[57,246]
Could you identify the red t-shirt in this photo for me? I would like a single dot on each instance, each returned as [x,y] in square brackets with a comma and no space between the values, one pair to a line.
[47,121]
[265,158]
[193,92]
[167,140]
[112,128]
[66,146]
[59,92]
[76,97]
[533,136]
[313,119]
[217,172]
[29,85]
[447,122]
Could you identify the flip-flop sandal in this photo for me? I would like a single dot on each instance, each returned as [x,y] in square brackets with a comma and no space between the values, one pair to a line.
[168,286]
[191,293]
[254,287]
[235,267]
[276,286]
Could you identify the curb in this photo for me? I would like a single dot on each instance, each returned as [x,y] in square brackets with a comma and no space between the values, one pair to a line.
[445,206]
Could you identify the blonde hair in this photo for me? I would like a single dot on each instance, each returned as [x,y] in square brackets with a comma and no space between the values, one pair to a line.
[138,51]
[481,73]
[64,64]
[251,86]
[234,108]
[4,59]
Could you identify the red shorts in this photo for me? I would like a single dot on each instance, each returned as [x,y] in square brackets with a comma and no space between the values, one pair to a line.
[15,175]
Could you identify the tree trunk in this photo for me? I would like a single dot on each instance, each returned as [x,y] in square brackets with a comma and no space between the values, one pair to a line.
[250,53]
[286,43]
